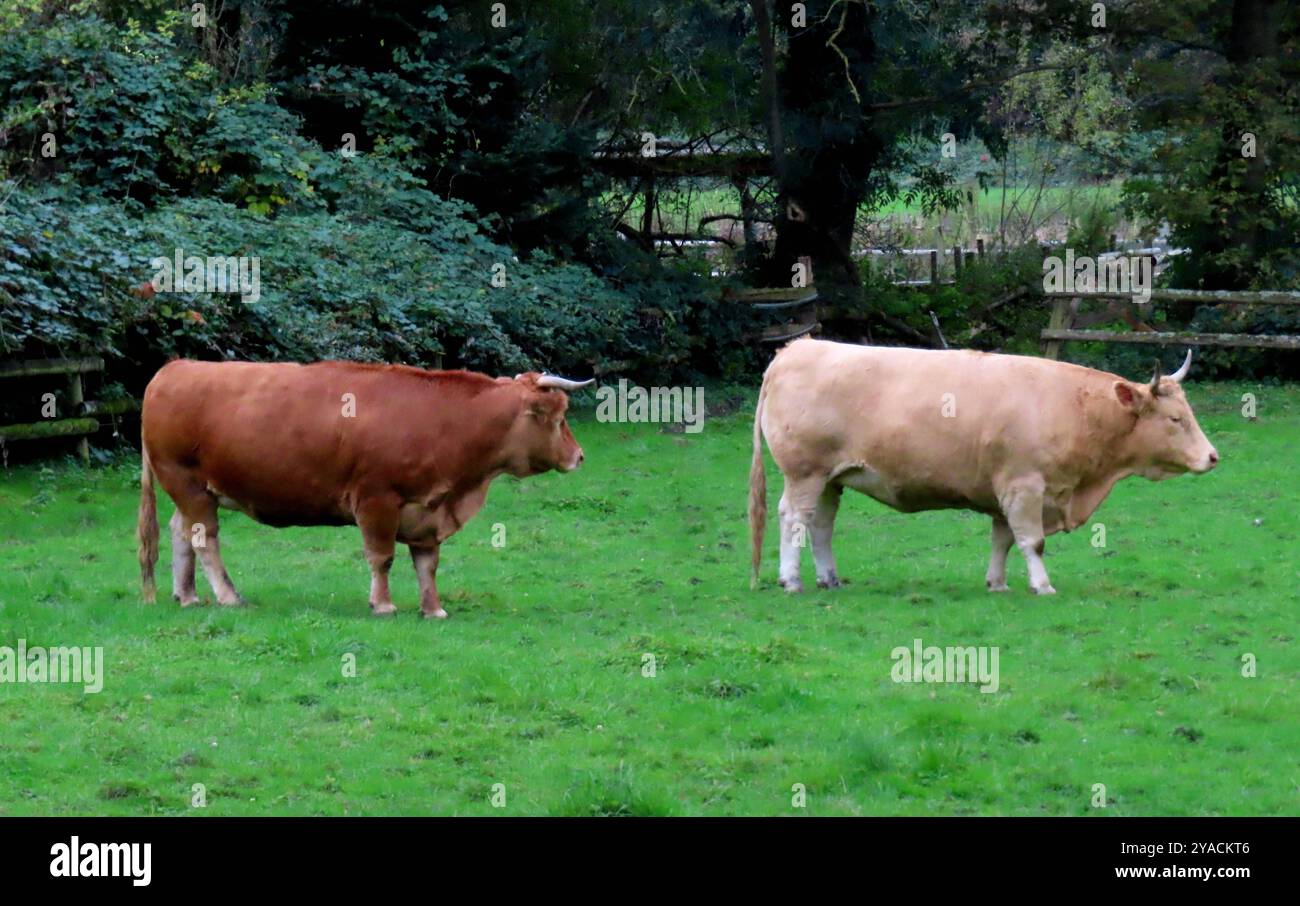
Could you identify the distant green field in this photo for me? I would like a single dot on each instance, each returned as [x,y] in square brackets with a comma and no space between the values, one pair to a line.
[682,211]
[1070,200]
[1130,677]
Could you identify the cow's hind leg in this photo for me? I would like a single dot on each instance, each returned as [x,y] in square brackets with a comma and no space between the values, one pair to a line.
[797,510]
[823,527]
[1023,506]
[182,563]
[199,522]
[1002,538]
[426,569]
[378,523]
[194,531]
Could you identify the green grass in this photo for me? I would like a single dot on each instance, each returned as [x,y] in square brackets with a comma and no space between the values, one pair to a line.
[1130,676]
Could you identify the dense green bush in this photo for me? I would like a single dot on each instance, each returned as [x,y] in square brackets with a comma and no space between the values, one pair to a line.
[400,275]
[120,103]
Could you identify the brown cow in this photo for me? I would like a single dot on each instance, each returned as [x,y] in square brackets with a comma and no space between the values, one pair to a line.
[1033,443]
[404,454]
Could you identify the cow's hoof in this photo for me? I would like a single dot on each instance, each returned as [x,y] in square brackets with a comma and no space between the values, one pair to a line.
[236,601]
[186,602]
[831,581]
[438,614]
[793,586]
[997,586]
[383,610]
[1044,590]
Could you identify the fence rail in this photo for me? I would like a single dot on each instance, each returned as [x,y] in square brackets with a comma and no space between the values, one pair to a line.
[40,367]
[1065,314]
[1210,296]
[1163,338]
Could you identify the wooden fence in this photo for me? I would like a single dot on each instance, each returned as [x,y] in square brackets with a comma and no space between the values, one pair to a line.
[1068,323]
[81,421]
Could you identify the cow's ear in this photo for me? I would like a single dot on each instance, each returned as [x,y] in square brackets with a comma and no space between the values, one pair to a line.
[1129,396]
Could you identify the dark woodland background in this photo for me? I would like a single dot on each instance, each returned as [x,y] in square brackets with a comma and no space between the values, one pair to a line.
[478,145]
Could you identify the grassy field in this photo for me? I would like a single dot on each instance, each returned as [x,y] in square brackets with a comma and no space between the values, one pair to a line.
[1054,203]
[1130,677]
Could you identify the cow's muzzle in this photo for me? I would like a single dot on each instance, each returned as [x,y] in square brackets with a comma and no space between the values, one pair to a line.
[1207,462]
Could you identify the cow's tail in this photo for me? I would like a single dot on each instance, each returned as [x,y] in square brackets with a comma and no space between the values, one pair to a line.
[757,492]
[147,529]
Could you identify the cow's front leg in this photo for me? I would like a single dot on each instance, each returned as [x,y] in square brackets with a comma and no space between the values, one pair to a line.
[1023,507]
[425,559]
[377,520]
[1002,538]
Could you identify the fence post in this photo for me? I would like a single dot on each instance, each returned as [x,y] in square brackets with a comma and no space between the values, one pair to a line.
[76,396]
[934,267]
[1060,314]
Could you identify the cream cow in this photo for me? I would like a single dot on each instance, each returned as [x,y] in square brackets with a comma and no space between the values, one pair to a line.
[1035,444]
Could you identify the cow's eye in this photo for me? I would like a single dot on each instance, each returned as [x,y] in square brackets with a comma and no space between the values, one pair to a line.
[1176,419]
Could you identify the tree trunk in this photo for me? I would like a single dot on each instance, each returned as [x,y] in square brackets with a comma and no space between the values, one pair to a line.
[831,148]
[1252,39]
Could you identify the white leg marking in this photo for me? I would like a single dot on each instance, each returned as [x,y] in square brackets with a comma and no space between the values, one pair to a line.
[791,535]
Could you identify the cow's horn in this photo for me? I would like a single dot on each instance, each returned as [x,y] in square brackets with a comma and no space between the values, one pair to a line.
[1182,372]
[550,380]
[1155,381]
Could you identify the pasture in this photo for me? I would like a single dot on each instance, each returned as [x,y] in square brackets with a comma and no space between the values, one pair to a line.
[1130,677]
